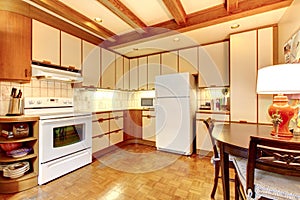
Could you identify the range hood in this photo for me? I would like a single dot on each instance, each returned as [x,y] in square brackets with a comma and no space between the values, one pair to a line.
[42,71]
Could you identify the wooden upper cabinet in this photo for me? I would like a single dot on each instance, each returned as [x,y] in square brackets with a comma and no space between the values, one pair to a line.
[143,70]
[188,60]
[45,43]
[70,51]
[90,64]
[119,72]
[15,47]
[169,62]
[214,65]
[108,69]
[153,70]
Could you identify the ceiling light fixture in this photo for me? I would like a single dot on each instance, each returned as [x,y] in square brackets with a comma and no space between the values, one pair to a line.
[98,19]
[176,39]
[234,26]
[135,49]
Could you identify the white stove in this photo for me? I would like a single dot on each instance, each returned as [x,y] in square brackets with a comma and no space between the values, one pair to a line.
[65,136]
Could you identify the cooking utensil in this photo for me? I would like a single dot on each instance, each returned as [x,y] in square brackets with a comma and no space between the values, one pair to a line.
[13,92]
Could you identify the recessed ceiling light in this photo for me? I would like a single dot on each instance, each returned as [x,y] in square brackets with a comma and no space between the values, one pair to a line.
[234,26]
[135,49]
[176,39]
[98,19]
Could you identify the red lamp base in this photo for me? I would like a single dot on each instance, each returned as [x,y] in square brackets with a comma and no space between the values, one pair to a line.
[281,107]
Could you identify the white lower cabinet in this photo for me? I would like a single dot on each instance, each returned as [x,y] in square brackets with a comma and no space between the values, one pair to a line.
[116,137]
[99,143]
[116,127]
[149,125]
[203,142]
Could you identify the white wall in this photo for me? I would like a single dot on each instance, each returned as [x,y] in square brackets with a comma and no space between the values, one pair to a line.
[288,25]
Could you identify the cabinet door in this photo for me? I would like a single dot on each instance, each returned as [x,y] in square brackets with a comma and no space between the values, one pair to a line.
[153,70]
[45,43]
[119,72]
[108,69]
[169,63]
[143,70]
[126,74]
[15,47]
[243,58]
[214,65]
[132,124]
[70,51]
[265,58]
[91,64]
[188,60]
[99,143]
[133,74]
[149,125]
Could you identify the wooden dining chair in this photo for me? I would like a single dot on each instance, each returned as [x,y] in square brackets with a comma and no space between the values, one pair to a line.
[272,170]
[210,123]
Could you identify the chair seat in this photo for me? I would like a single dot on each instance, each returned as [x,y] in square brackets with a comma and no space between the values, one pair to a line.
[268,184]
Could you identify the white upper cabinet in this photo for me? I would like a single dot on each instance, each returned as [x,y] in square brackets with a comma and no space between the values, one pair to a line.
[45,43]
[70,51]
[243,70]
[90,64]
[169,62]
[143,70]
[108,69]
[188,60]
[133,74]
[119,72]
[265,58]
[153,70]
[126,74]
[214,65]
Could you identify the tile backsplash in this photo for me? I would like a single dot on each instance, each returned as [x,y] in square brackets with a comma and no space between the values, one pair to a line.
[36,88]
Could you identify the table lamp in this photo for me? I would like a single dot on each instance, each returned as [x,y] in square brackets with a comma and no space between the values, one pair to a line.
[280,79]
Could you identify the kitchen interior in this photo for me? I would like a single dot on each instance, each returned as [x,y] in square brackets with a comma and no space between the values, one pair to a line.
[130,98]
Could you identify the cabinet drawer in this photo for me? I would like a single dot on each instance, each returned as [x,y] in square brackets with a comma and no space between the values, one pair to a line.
[116,121]
[100,143]
[116,137]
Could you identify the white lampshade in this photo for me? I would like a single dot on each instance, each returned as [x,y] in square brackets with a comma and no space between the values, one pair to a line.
[279,79]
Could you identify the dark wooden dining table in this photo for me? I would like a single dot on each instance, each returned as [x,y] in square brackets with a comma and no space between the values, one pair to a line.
[233,139]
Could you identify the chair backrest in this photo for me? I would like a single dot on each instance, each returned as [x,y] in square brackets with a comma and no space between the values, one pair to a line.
[210,123]
[273,155]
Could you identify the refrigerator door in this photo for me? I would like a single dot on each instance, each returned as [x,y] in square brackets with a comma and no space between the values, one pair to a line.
[172,85]
[174,125]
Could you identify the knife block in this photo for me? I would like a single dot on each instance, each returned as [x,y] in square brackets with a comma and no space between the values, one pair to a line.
[16,106]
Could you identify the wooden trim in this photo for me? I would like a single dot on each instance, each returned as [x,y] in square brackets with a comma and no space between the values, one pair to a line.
[177,11]
[68,13]
[275,45]
[119,9]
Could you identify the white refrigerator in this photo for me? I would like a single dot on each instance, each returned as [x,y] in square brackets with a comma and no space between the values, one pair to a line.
[175,112]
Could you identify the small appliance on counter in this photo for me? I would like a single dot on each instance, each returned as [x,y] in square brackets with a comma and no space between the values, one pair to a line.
[16,103]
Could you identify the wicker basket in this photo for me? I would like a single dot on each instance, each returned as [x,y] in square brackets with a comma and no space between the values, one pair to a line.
[20,130]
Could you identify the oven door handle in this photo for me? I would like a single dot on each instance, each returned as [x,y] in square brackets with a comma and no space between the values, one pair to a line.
[59,120]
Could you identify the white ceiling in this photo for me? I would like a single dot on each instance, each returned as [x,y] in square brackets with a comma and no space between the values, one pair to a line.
[154,11]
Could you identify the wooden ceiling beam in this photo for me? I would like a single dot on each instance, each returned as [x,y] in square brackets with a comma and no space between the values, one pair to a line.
[70,14]
[201,19]
[177,11]
[119,9]
[231,5]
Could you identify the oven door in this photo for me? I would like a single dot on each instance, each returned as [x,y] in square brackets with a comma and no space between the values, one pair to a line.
[64,136]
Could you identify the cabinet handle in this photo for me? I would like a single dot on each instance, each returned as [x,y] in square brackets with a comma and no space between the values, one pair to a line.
[26,73]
